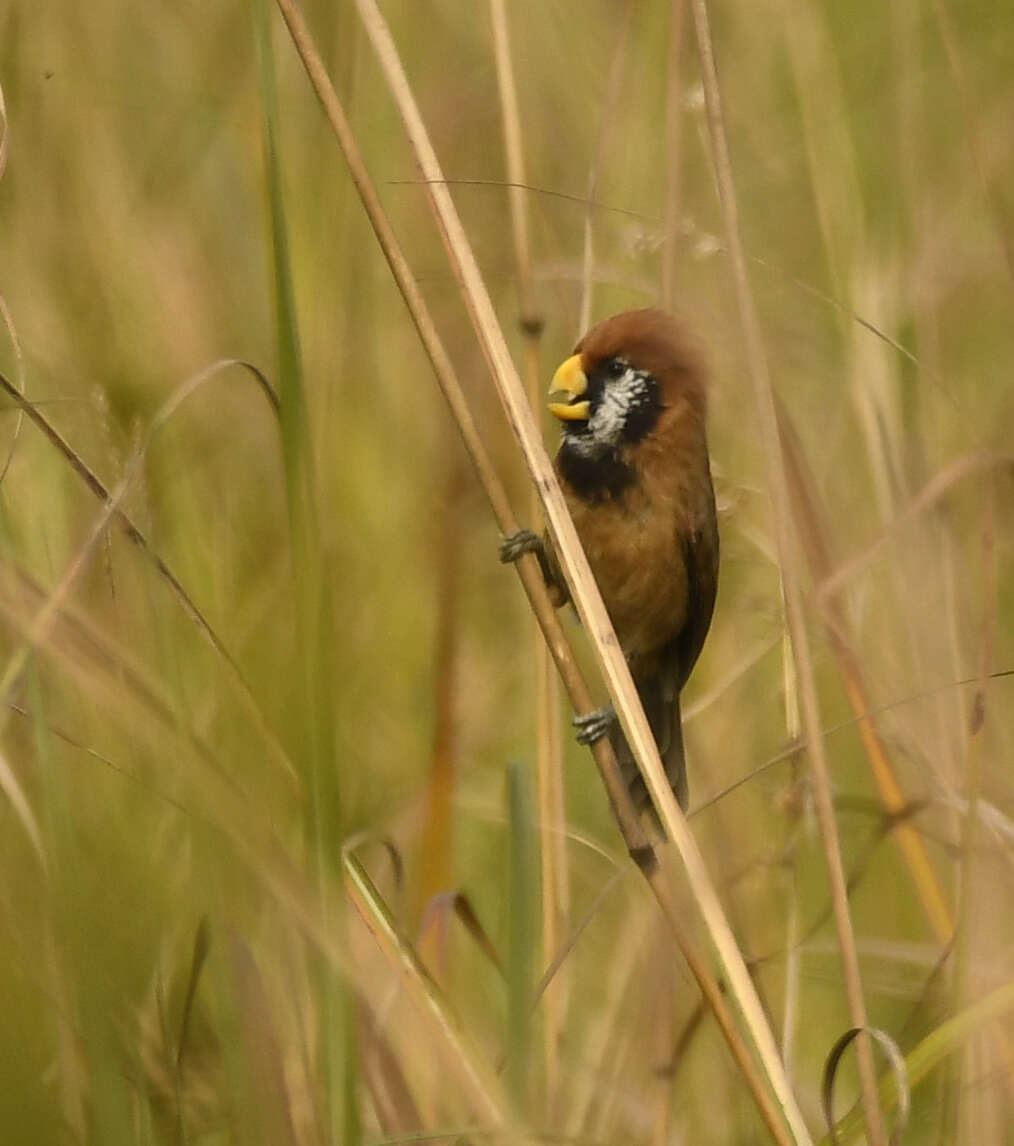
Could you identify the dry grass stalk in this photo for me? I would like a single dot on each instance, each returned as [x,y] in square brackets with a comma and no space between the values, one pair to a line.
[614,86]
[831,578]
[833,173]
[673,152]
[475,1076]
[778,490]
[585,591]
[809,518]
[548,734]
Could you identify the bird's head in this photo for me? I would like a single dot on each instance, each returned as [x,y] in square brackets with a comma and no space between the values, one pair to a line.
[622,378]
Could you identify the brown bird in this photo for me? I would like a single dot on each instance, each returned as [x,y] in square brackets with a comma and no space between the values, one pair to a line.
[633,463]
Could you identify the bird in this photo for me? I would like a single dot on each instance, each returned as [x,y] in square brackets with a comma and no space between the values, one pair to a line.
[634,467]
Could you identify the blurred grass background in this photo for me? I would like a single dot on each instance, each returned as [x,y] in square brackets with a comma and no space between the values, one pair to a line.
[176,957]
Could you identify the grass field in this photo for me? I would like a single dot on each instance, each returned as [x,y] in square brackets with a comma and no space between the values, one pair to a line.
[282,860]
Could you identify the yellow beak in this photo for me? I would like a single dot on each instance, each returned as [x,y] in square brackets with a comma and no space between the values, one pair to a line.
[570,379]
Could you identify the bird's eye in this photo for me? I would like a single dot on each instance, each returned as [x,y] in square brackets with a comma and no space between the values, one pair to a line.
[616,367]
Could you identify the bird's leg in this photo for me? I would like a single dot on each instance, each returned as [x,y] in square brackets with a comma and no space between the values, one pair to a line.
[516,545]
[592,726]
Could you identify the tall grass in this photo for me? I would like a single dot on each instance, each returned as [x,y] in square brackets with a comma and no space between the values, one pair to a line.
[239,672]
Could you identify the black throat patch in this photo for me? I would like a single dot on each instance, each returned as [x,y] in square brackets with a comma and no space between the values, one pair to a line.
[594,477]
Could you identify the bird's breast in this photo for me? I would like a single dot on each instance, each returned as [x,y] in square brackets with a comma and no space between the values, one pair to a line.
[634,549]
[637,538]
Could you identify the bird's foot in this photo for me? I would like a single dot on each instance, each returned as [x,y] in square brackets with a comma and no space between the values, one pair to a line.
[594,725]
[516,545]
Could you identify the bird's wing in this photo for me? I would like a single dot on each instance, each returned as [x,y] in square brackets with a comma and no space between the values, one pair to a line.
[700,557]
[660,694]
[552,574]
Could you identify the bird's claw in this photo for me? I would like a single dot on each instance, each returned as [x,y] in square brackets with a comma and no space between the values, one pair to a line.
[517,544]
[592,726]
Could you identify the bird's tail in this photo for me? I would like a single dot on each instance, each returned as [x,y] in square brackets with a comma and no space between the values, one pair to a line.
[664,719]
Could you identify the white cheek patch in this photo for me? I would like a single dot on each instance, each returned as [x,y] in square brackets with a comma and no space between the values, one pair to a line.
[610,416]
